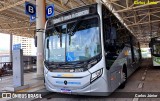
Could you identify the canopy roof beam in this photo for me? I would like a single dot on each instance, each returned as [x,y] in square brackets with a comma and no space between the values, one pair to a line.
[12,5]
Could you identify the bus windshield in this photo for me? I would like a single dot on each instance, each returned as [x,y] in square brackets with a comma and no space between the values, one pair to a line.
[156,48]
[74,41]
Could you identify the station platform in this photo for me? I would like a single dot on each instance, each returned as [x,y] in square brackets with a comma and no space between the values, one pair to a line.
[36,84]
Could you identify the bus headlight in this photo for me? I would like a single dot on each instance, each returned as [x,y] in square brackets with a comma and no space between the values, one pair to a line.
[96,75]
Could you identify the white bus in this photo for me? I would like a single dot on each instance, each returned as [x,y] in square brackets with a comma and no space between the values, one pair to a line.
[155,51]
[88,51]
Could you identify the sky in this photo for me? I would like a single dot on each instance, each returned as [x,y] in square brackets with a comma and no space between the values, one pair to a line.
[4,41]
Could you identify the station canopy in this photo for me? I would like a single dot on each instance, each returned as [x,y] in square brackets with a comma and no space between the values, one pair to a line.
[141,17]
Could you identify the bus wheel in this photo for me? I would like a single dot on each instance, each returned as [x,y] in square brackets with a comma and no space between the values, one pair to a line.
[124,74]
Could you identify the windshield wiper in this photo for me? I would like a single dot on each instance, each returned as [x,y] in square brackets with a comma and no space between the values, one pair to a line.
[72,32]
[59,35]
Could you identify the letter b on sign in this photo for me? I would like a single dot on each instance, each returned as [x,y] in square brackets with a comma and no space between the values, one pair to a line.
[30,9]
[50,11]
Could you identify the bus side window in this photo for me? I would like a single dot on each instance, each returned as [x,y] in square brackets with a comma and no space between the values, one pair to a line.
[109,37]
[106,28]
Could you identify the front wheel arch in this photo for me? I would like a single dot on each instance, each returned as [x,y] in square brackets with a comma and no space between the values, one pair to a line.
[124,73]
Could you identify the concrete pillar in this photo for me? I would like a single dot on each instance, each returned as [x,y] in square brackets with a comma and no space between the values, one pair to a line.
[40,24]
[10,52]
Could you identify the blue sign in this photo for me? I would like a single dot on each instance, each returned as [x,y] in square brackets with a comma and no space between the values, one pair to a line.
[50,11]
[70,56]
[16,46]
[32,18]
[30,9]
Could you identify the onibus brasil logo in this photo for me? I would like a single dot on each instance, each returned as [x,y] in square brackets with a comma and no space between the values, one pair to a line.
[143,2]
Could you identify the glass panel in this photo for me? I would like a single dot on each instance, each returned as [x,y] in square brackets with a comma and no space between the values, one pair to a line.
[76,41]
[56,49]
[84,44]
[156,48]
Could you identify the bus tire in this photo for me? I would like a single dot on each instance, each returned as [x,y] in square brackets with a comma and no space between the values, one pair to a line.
[124,71]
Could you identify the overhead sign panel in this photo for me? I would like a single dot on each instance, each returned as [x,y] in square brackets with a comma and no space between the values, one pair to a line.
[16,46]
[30,9]
[50,11]
[32,18]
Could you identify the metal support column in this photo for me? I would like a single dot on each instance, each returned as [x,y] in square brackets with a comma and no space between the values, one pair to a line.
[40,24]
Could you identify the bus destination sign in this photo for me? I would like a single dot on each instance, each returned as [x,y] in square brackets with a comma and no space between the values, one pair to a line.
[71,16]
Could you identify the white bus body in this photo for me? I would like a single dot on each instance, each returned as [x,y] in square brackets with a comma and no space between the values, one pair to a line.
[103,68]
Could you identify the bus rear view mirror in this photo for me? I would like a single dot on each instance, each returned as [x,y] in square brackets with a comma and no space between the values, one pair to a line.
[47,43]
[35,41]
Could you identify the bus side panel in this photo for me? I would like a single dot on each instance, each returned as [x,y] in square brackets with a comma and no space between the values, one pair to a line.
[116,68]
[124,58]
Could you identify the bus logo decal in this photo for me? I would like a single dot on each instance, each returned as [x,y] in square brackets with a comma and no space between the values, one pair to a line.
[65,82]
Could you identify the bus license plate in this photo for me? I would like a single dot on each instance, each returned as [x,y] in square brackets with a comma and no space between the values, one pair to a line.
[66,91]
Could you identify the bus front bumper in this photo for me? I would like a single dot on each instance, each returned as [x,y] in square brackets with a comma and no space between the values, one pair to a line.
[96,88]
